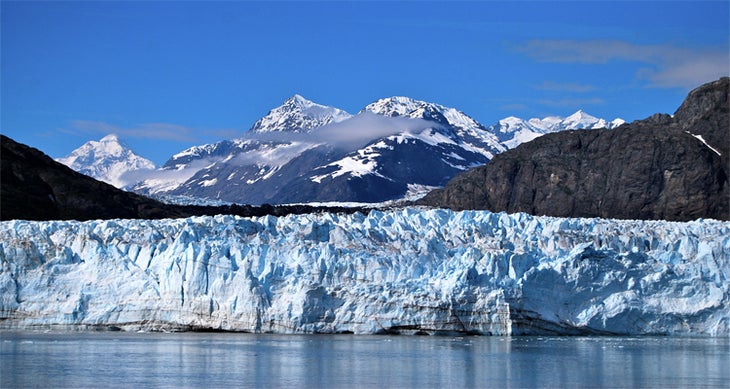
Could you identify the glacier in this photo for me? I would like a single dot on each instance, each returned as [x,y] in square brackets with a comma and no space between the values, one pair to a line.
[405,271]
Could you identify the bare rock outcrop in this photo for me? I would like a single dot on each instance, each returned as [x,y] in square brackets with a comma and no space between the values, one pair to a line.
[663,167]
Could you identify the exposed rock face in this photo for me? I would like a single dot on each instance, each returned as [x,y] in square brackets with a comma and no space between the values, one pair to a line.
[662,167]
[36,187]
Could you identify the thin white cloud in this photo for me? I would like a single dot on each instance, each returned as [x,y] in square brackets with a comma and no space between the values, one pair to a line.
[689,71]
[593,51]
[225,133]
[664,65]
[351,133]
[165,178]
[564,87]
[514,107]
[156,131]
[366,126]
[571,102]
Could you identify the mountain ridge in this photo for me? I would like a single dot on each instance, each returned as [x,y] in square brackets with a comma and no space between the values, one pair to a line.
[367,157]
[402,153]
[376,155]
[662,167]
[513,131]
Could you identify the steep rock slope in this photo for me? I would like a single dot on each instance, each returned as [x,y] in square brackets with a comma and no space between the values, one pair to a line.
[36,187]
[663,167]
[407,271]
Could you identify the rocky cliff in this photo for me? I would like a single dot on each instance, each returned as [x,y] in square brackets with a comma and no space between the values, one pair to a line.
[35,187]
[663,167]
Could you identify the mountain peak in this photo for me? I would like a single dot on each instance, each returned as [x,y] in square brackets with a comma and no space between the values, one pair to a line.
[583,120]
[298,100]
[581,115]
[110,138]
[107,160]
[298,114]
[395,106]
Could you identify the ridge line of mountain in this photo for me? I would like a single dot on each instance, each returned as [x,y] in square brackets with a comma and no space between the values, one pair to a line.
[662,167]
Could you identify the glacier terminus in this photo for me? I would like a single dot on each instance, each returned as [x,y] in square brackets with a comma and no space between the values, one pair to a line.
[405,271]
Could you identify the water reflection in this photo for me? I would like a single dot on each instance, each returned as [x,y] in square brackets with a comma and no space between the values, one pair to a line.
[243,360]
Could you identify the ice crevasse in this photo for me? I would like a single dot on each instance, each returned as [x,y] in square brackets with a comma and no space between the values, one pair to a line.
[407,271]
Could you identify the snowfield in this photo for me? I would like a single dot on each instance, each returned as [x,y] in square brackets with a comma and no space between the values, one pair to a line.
[406,271]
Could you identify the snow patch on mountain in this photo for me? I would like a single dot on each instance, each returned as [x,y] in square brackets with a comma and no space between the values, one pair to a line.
[701,139]
[360,163]
[108,160]
[417,191]
[403,271]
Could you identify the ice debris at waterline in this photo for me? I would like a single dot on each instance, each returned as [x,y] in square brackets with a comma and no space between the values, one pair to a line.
[407,271]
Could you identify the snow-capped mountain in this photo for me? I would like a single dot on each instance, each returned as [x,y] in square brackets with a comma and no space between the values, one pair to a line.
[305,152]
[407,271]
[470,132]
[434,144]
[230,170]
[108,160]
[513,131]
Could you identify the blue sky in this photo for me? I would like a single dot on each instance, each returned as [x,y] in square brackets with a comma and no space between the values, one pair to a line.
[169,75]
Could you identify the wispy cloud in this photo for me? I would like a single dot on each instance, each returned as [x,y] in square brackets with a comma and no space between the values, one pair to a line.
[663,65]
[224,133]
[351,133]
[571,102]
[152,131]
[165,178]
[513,107]
[564,87]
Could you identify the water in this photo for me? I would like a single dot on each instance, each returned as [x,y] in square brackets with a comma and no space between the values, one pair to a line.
[32,359]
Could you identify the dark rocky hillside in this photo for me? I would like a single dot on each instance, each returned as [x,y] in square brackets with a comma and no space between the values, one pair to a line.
[656,168]
[35,187]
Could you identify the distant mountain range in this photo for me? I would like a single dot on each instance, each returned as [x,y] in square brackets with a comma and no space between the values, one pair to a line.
[663,167]
[513,131]
[304,152]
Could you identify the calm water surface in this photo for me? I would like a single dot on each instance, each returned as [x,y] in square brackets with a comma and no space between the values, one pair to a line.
[32,359]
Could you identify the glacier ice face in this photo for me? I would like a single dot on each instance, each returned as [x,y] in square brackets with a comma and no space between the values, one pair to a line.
[403,271]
